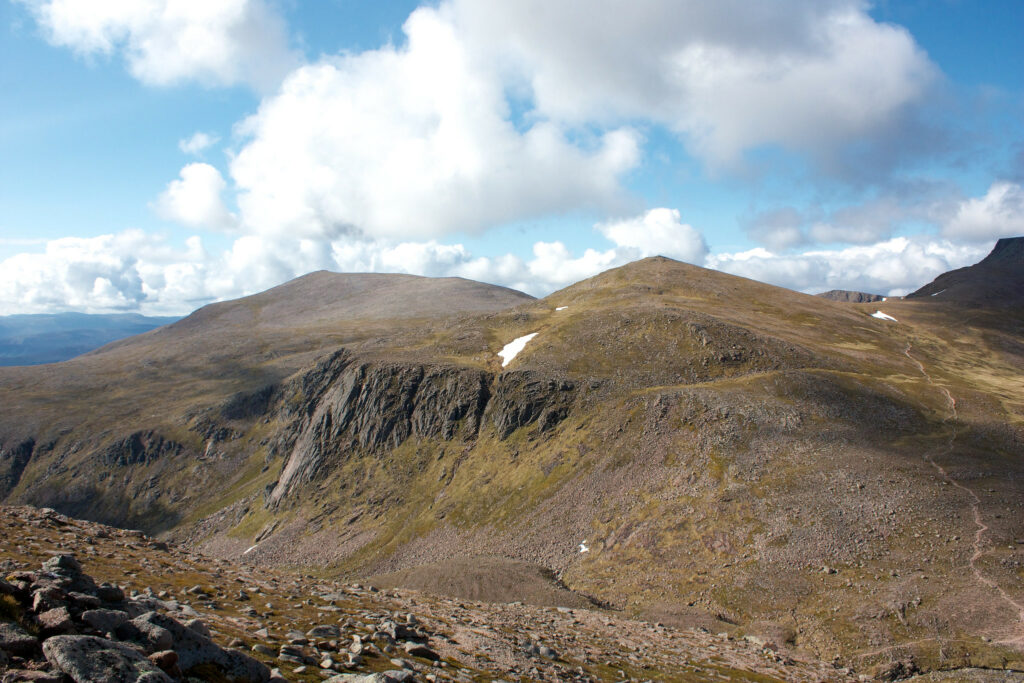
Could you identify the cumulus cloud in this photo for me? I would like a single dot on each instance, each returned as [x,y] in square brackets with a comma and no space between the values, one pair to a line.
[412,142]
[1000,213]
[140,272]
[730,76]
[197,143]
[166,42]
[659,231]
[893,267]
[194,199]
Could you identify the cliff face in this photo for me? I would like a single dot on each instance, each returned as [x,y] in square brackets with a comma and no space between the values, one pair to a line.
[847,296]
[347,406]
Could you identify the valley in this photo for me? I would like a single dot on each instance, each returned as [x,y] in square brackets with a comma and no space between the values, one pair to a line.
[673,446]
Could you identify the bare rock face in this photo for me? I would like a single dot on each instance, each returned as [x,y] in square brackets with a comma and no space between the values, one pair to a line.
[847,296]
[524,397]
[89,659]
[346,406]
[13,461]
[140,448]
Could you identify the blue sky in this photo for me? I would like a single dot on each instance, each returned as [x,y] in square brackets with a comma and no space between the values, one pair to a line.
[159,155]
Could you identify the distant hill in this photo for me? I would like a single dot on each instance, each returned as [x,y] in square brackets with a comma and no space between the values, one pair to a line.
[997,281]
[675,443]
[850,297]
[51,338]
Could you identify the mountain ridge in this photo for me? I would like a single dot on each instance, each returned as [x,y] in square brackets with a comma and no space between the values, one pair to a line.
[708,439]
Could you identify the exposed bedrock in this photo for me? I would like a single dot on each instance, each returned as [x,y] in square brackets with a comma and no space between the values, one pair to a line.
[346,406]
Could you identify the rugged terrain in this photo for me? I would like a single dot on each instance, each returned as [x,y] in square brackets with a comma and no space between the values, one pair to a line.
[675,444]
[303,628]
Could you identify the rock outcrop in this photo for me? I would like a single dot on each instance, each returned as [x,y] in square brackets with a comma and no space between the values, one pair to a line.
[140,448]
[86,632]
[848,296]
[13,461]
[347,406]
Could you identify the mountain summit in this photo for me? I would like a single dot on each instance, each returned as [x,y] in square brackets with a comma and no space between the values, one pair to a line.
[670,442]
[996,281]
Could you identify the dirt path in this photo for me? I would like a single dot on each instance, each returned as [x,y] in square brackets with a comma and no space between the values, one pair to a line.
[979,534]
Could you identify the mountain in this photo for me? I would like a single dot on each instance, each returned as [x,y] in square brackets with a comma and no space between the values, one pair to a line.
[997,281]
[51,338]
[850,297]
[673,444]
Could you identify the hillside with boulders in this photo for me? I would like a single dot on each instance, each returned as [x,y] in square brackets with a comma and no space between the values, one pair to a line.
[660,443]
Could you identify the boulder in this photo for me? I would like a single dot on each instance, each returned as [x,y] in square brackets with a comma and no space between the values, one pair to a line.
[151,636]
[195,649]
[89,659]
[104,620]
[324,631]
[394,676]
[57,620]
[16,640]
[109,593]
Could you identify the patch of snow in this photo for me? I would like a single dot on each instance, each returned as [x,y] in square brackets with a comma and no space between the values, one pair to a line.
[883,316]
[249,550]
[583,547]
[512,349]
[937,293]
[561,308]
[885,298]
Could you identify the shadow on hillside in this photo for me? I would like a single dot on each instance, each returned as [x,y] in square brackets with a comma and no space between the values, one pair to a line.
[106,507]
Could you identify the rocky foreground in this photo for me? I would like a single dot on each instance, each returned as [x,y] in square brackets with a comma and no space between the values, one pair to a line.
[82,601]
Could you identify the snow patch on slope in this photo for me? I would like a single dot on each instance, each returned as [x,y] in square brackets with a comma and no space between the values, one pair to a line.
[883,316]
[512,349]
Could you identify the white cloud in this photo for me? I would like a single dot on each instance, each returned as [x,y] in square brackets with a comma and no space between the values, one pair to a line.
[412,142]
[195,200]
[166,42]
[659,231]
[730,76]
[893,267]
[197,143]
[1000,213]
[136,271]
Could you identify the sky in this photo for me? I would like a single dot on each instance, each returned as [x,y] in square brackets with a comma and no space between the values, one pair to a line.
[158,155]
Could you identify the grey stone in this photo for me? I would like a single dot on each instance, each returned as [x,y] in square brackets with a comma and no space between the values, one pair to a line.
[88,659]
[104,620]
[198,626]
[418,650]
[15,639]
[109,593]
[56,620]
[194,649]
[153,637]
[324,631]
[398,676]
[63,564]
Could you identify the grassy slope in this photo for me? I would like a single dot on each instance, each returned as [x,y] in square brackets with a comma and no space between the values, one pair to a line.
[730,441]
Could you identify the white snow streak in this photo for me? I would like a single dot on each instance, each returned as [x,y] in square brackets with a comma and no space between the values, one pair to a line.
[561,308]
[583,547]
[513,348]
[883,316]
[937,293]
[249,550]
